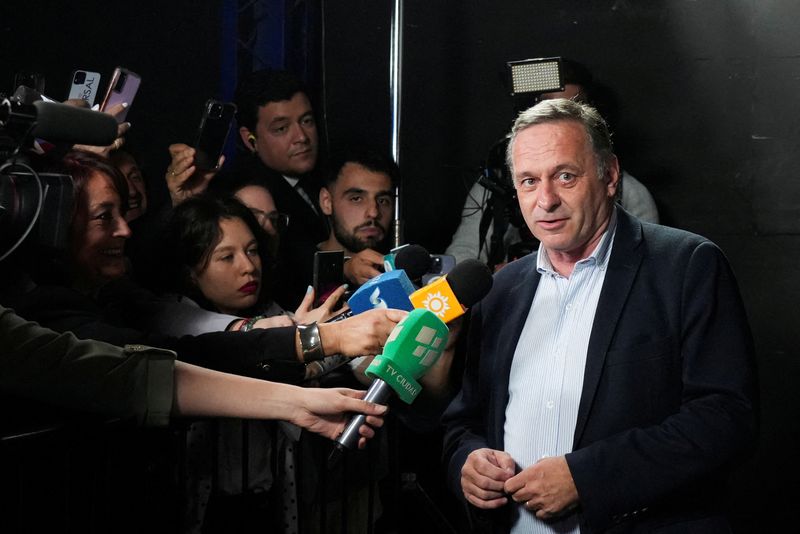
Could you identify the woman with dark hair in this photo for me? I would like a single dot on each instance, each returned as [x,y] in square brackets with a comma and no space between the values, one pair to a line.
[218,254]
[98,231]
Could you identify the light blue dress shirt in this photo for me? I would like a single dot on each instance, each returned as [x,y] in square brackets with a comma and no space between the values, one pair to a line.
[546,377]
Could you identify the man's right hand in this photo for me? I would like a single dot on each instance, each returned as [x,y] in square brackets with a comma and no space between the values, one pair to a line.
[183,180]
[483,477]
[363,266]
[360,335]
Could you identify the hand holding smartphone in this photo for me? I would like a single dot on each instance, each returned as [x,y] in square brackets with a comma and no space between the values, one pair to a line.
[215,125]
[122,88]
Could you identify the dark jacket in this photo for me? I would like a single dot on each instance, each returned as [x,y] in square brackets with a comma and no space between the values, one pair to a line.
[668,400]
[262,353]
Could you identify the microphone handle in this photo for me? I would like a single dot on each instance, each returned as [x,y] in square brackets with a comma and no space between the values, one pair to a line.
[341,317]
[379,392]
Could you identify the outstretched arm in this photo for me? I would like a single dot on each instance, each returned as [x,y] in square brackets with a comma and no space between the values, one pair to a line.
[202,392]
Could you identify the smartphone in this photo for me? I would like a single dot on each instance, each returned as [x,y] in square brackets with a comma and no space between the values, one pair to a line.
[122,88]
[85,85]
[215,125]
[328,273]
[441,264]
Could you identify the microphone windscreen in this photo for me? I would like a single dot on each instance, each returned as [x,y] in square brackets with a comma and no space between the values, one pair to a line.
[414,260]
[62,123]
[470,280]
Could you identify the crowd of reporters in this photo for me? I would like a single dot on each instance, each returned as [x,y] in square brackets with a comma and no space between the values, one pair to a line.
[220,276]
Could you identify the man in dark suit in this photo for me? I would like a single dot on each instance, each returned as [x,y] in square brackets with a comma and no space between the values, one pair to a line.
[610,383]
[277,125]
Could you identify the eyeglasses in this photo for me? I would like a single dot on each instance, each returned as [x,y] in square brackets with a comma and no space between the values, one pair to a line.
[278,220]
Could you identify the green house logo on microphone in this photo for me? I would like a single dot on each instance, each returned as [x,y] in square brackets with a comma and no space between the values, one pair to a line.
[412,348]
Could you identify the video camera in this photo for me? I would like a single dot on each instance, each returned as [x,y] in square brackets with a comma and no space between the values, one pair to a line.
[26,195]
[528,80]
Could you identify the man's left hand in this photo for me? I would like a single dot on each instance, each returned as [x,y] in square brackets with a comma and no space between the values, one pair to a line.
[545,488]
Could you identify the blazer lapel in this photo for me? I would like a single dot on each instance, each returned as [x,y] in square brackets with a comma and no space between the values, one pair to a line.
[626,257]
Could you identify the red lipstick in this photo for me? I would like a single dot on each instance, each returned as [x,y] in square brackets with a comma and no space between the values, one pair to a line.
[249,288]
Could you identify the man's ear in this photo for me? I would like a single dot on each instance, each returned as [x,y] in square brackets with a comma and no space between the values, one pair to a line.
[248,138]
[612,176]
[325,201]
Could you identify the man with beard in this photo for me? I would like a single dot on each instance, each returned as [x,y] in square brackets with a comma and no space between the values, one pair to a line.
[358,199]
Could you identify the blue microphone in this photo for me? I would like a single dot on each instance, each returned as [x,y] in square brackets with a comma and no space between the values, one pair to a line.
[387,290]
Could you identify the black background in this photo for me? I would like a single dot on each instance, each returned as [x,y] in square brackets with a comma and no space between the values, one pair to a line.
[708,121]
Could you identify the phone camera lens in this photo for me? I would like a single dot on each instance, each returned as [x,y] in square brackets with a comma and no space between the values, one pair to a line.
[216,111]
[80,77]
[120,82]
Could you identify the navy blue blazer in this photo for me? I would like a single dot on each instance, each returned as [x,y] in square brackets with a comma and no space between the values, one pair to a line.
[668,399]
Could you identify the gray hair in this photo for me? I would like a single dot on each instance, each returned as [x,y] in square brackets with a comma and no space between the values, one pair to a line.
[561,109]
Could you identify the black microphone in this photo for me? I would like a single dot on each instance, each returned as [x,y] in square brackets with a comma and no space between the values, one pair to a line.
[449,296]
[60,123]
[70,124]
[414,260]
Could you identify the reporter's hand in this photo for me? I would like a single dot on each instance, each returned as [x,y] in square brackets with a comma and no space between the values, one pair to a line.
[306,313]
[326,411]
[360,335]
[363,266]
[483,477]
[183,180]
[274,322]
[122,128]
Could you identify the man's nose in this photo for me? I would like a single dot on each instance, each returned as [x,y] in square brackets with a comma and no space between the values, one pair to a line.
[373,209]
[548,198]
[299,133]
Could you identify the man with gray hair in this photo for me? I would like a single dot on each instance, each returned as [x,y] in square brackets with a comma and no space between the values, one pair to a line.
[609,382]
[485,213]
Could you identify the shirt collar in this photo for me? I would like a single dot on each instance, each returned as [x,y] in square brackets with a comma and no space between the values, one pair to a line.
[291,180]
[598,257]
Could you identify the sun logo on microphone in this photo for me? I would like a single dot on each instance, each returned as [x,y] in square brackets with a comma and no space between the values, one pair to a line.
[437,303]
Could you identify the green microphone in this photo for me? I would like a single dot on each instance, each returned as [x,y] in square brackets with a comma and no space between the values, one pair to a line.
[411,349]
